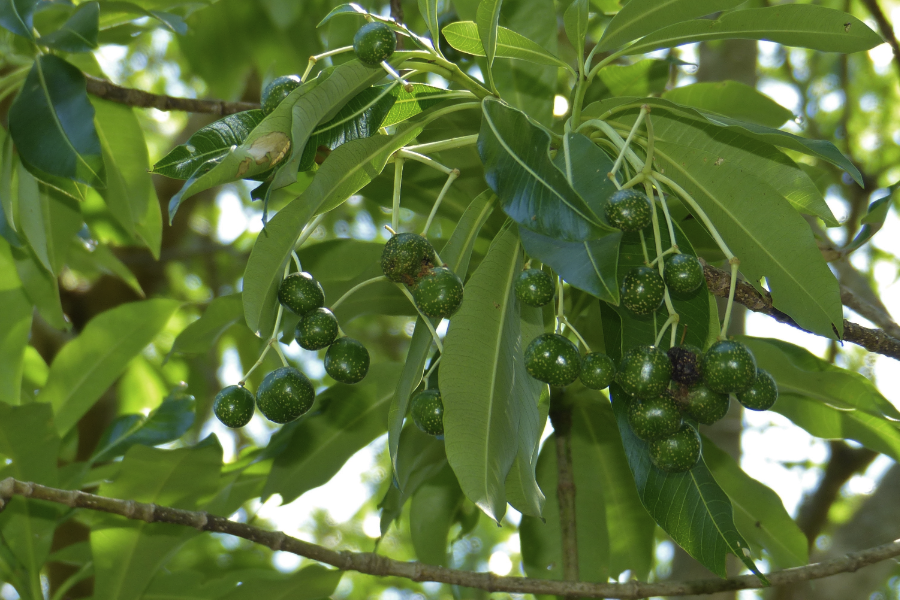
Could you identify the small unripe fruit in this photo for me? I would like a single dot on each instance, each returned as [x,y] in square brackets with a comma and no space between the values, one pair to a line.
[644,372]
[428,412]
[629,210]
[284,395]
[678,452]
[406,258]
[654,418]
[706,406]
[535,287]
[685,364]
[347,360]
[643,290]
[301,293]
[762,394]
[683,273]
[597,370]
[277,90]
[374,42]
[439,293]
[317,329]
[553,359]
[728,367]
[234,406]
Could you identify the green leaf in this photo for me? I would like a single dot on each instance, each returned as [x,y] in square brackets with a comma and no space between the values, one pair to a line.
[78,33]
[731,98]
[127,554]
[17,16]
[432,512]
[640,17]
[89,364]
[576,23]
[456,255]
[49,221]
[171,21]
[482,378]
[100,259]
[52,123]
[429,11]
[39,284]
[800,25]
[532,191]
[420,457]
[15,322]
[167,423]
[487,20]
[7,197]
[311,583]
[758,511]
[201,335]
[464,36]
[643,78]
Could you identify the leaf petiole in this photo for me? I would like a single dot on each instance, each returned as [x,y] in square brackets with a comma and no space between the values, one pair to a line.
[314,59]
[356,288]
[578,335]
[451,144]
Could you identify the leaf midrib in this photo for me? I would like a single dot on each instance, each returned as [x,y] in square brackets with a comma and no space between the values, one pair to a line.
[715,522]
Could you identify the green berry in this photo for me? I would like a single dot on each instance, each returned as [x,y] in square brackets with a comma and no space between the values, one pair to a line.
[597,370]
[284,395]
[686,364]
[704,405]
[678,452]
[347,360]
[643,290]
[374,42]
[683,273]
[406,258]
[553,359]
[644,372]
[439,293]
[277,90]
[301,293]
[428,412]
[654,418]
[728,367]
[762,394]
[628,210]
[535,287]
[234,406]
[316,329]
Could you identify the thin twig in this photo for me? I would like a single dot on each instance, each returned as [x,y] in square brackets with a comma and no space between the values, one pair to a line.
[374,564]
[141,99]
[885,29]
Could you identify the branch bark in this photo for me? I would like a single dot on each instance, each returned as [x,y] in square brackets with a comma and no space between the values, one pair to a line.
[141,99]
[873,340]
[374,564]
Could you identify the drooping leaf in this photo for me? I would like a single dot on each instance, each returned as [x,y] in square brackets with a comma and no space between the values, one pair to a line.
[201,335]
[15,322]
[89,364]
[166,424]
[464,36]
[17,16]
[429,11]
[432,513]
[731,98]
[78,33]
[801,25]
[51,122]
[487,20]
[637,19]
[49,220]
[576,23]
[419,458]
[310,583]
[100,259]
[8,166]
[643,78]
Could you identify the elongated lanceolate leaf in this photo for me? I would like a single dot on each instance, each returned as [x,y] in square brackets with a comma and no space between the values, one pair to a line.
[733,99]
[17,16]
[201,335]
[643,78]
[532,191]
[429,11]
[78,33]
[463,36]
[640,17]
[802,25]
[487,19]
[52,123]
[167,423]
[49,220]
[576,23]
[109,17]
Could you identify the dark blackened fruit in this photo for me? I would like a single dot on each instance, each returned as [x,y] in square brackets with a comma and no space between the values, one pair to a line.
[728,367]
[597,370]
[234,406]
[347,360]
[628,210]
[553,359]
[374,42]
[428,412]
[284,395]
[317,329]
[643,290]
[762,394]
[406,257]
[654,418]
[439,293]
[704,405]
[535,287]
[644,372]
[301,293]
[683,273]
[686,364]
[678,452]
[277,90]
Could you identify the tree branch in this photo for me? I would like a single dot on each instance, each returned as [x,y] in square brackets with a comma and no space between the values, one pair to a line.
[873,340]
[132,97]
[374,564]
[885,29]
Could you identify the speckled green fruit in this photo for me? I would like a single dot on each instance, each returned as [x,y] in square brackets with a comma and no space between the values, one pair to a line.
[597,370]
[762,394]
[277,90]
[553,359]
[644,372]
[628,210]
[347,360]
[728,367]
[654,418]
[406,258]
[678,452]
[374,42]
[686,364]
[284,395]
[439,293]
[234,406]
[317,329]
[535,287]
[643,290]
[301,293]
[683,273]
[428,412]
[704,405]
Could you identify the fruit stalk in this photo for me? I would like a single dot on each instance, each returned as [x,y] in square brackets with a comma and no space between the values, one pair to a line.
[356,288]
[398,181]
[434,335]
[624,147]
[657,238]
[314,59]
[727,320]
[577,334]
[273,339]
[437,203]
[560,317]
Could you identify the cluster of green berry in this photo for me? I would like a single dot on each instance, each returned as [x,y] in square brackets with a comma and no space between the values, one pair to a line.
[664,388]
[643,288]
